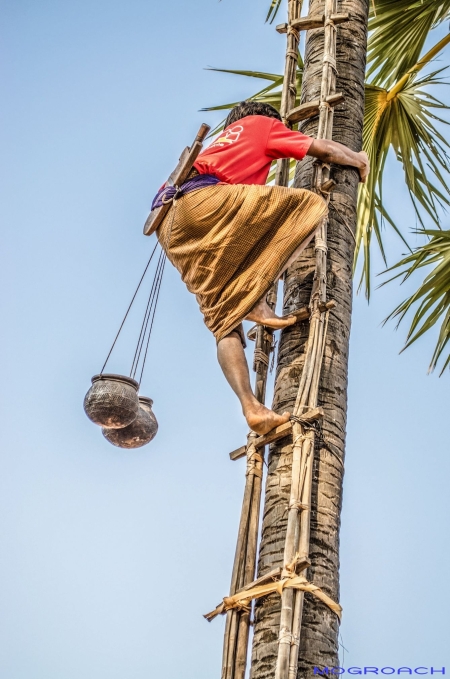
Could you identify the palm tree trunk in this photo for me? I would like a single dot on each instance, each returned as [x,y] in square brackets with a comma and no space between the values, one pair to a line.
[319,636]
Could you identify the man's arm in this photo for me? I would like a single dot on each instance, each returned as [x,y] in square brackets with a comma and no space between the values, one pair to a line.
[333,152]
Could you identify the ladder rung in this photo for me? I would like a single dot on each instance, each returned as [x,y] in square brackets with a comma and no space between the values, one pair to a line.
[309,23]
[281,28]
[328,186]
[285,429]
[279,432]
[274,435]
[303,313]
[312,415]
[311,108]
[340,18]
[238,453]
[272,575]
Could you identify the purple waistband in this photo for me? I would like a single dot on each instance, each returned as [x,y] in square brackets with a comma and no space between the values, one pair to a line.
[168,193]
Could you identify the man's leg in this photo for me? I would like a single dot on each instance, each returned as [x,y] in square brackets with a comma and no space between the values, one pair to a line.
[262,313]
[231,356]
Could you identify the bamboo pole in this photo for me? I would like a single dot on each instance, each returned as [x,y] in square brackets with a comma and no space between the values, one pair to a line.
[237,577]
[237,624]
[250,563]
[289,93]
[298,523]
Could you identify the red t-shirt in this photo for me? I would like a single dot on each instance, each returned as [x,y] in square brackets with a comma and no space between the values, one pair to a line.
[244,151]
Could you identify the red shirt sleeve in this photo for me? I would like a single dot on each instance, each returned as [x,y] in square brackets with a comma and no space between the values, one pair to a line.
[285,143]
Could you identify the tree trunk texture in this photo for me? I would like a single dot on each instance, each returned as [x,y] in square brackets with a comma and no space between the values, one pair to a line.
[320,627]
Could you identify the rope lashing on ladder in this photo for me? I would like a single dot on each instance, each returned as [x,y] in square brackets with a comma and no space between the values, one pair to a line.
[253,459]
[242,599]
[260,356]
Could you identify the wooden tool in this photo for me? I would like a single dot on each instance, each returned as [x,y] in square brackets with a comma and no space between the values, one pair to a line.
[178,176]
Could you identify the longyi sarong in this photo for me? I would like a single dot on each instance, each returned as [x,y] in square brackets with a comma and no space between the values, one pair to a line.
[230,241]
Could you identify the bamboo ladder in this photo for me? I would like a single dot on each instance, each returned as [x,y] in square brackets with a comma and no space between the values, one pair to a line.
[306,413]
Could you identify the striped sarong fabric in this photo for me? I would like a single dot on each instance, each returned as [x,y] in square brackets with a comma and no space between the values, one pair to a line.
[230,242]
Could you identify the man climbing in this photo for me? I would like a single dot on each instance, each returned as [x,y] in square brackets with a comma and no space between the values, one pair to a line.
[230,236]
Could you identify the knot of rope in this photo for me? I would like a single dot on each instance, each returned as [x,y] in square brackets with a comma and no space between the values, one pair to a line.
[260,357]
[293,31]
[298,505]
[328,59]
[285,637]
[306,424]
[325,106]
[292,53]
[170,196]
[321,244]
[253,458]
[300,437]
[242,605]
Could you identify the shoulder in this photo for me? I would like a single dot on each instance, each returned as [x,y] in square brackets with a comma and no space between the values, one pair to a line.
[279,130]
[259,123]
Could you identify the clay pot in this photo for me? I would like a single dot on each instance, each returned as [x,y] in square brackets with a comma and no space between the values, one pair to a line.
[112,401]
[141,431]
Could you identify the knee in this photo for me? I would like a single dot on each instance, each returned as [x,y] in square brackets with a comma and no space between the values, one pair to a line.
[234,334]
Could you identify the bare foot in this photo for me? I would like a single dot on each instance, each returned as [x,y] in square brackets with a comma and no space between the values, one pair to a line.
[262,420]
[263,314]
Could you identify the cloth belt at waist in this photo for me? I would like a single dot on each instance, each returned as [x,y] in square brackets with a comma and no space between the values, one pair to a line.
[169,193]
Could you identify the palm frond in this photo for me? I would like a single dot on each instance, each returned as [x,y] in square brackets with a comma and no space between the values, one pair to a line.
[397,34]
[432,296]
[271,94]
[404,122]
[273,9]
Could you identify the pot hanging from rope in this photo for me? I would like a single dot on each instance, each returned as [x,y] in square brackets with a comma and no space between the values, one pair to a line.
[140,432]
[113,401]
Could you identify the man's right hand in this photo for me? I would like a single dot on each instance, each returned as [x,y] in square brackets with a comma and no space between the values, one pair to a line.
[364,169]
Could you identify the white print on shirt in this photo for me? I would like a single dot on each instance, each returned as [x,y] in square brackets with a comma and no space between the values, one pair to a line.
[231,135]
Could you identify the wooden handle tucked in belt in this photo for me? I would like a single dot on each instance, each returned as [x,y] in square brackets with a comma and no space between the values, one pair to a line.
[178,176]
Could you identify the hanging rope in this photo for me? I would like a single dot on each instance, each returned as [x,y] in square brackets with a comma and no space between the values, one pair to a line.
[150,310]
[144,335]
[128,310]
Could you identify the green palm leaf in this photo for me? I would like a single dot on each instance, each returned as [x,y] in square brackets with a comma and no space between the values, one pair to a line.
[404,122]
[432,299]
[273,9]
[402,119]
[397,33]
[400,114]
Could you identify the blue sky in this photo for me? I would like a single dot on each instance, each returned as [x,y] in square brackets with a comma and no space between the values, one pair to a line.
[109,558]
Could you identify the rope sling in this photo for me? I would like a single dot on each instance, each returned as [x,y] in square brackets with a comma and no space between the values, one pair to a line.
[288,581]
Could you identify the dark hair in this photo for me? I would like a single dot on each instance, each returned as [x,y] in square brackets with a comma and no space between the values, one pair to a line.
[251,108]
